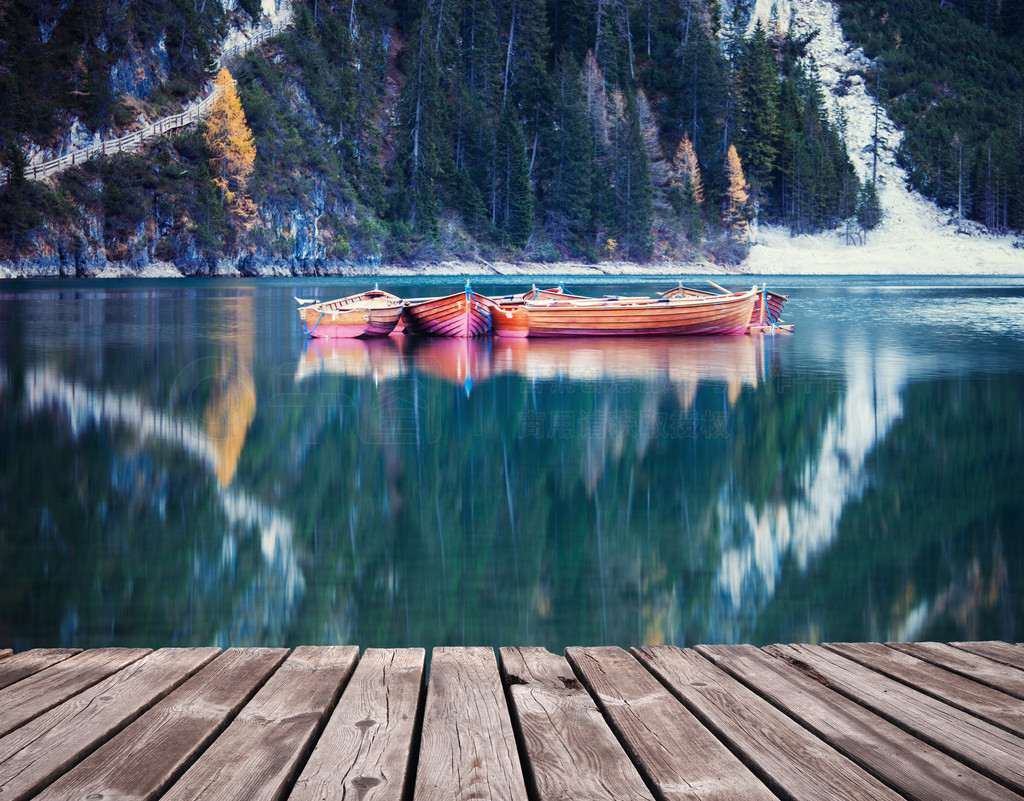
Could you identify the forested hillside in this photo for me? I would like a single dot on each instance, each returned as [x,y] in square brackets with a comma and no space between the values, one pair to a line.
[952,77]
[421,129]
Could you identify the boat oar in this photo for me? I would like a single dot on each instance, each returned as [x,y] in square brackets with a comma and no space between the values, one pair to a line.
[719,288]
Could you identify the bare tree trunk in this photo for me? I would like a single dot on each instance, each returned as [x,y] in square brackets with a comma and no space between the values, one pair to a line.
[440,17]
[508,55]
[416,142]
[629,43]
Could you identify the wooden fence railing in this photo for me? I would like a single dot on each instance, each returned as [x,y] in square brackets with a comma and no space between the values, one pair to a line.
[129,143]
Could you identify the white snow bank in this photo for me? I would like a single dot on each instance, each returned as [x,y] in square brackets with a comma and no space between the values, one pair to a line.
[915,236]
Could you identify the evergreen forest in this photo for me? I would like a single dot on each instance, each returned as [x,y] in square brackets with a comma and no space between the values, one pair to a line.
[632,130]
[952,78]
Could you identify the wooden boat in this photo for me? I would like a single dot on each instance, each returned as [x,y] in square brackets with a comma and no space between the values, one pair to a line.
[368,314]
[774,305]
[464,314]
[555,317]
[561,293]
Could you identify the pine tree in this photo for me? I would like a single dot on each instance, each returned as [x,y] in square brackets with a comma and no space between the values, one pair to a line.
[632,180]
[569,163]
[758,129]
[527,84]
[423,150]
[231,147]
[602,199]
[613,46]
[657,165]
[595,91]
[481,53]
[869,207]
[571,27]
[512,213]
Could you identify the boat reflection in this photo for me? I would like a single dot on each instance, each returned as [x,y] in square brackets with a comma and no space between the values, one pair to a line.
[459,360]
[684,362]
[378,358]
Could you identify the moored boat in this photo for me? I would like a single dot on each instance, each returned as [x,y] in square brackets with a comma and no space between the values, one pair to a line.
[775,301]
[464,314]
[367,314]
[555,317]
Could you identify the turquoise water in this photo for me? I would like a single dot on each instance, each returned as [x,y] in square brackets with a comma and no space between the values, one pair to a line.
[180,466]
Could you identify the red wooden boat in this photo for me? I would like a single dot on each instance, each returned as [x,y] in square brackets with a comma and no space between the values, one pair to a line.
[368,314]
[464,314]
[554,317]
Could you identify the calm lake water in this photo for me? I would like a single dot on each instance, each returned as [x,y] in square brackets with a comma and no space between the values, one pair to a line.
[180,466]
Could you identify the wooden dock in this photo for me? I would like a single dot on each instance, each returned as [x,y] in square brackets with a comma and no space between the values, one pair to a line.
[842,721]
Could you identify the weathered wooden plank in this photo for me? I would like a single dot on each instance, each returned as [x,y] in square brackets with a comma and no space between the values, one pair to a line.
[259,754]
[468,748]
[570,750]
[46,689]
[1004,652]
[913,768]
[24,664]
[141,762]
[47,746]
[966,695]
[5,652]
[676,754]
[366,750]
[986,748]
[1004,678]
[783,754]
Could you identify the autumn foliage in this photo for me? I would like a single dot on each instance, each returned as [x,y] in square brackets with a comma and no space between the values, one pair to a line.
[231,146]
[736,196]
[686,171]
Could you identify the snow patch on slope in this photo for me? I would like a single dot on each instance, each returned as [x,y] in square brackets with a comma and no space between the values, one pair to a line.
[915,236]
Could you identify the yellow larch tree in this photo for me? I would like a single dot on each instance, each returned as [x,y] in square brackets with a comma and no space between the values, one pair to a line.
[737,195]
[231,146]
[686,170]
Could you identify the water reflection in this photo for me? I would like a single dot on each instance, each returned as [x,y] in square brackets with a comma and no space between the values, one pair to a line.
[378,359]
[182,467]
[762,537]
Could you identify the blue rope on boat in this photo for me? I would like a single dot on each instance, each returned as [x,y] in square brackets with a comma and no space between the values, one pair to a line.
[309,331]
[486,313]
[767,309]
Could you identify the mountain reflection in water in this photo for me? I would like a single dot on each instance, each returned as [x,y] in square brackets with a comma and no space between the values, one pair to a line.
[183,467]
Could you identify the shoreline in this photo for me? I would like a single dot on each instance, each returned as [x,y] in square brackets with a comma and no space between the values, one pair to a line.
[892,249]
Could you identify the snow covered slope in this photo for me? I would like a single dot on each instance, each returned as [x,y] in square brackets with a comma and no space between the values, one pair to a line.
[915,236]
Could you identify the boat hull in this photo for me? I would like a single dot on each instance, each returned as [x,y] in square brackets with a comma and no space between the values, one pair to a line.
[775,302]
[464,314]
[369,314]
[722,314]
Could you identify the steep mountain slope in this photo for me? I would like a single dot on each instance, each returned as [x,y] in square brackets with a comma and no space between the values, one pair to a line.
[916,236]
[411,131]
